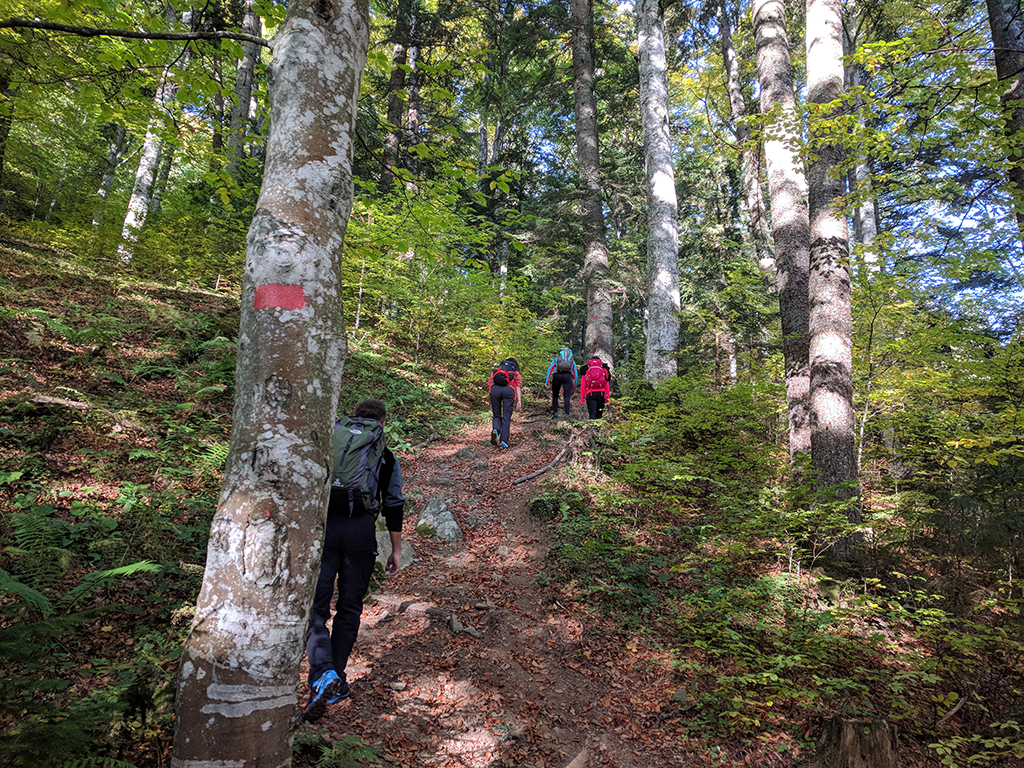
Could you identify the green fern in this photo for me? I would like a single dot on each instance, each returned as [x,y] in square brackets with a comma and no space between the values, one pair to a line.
[33,598]
[97,579]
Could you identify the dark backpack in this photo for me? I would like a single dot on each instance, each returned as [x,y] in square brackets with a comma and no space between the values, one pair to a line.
[358,451]
[505,373]
[563,364]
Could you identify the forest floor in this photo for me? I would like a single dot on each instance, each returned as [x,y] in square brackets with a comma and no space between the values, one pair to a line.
[467,658]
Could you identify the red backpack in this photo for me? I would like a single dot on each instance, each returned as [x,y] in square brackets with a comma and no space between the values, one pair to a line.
[595,377]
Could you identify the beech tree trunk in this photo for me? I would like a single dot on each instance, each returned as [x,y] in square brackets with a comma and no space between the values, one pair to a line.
[1007,25]
[750,155]
[831,328]
[245,75]
[787,188]
[236,697]
[598,340]
[662,209]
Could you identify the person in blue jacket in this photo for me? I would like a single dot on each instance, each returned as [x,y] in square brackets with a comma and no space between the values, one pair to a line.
[562,377]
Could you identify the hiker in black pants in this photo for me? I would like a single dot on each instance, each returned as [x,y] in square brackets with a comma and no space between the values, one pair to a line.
[562,377]
[350,550]
[504,388]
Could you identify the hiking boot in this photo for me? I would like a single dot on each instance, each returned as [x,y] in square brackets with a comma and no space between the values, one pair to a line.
[494,437]
[554,417]
[504,445]
[321,692]
[342,693]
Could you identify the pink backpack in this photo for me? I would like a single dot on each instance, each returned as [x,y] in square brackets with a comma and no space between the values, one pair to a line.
[595,377]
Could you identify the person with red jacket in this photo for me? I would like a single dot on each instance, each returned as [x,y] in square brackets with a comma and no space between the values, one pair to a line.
[505,387]
[595,389]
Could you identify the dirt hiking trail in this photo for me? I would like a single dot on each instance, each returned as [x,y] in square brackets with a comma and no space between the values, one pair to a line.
[464,660]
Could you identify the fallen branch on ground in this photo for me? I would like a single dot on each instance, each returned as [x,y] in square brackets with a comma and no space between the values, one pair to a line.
[546,467]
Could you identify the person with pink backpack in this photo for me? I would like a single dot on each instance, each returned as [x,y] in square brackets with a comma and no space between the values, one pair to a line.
[595,388]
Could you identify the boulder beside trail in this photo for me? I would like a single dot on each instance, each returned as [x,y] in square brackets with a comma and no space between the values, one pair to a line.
[436,515]
[384,550]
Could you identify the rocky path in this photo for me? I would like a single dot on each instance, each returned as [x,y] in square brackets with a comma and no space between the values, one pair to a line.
[466,659]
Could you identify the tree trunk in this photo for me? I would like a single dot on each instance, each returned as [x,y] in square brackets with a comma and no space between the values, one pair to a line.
[662,211]
[787,186]
[865,212]
[1007,25]
[245,75]
[162,177]
[595,253]
[753,199]
[236,702]
[396,106]
[831,346]
[857,744]
[149,157]
[109,170]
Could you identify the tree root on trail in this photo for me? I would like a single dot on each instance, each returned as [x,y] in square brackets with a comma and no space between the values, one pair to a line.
[547,466]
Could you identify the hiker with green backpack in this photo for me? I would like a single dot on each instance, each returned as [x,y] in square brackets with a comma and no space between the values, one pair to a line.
[562,377]
[366,479]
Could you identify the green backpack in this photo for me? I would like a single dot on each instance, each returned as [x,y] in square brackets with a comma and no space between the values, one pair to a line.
[358,451]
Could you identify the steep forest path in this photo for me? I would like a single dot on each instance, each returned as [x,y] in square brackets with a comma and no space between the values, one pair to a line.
[464,659]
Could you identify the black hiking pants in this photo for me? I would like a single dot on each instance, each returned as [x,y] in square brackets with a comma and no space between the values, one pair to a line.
[350,549]
[561,382]
[503,400]
[595,404]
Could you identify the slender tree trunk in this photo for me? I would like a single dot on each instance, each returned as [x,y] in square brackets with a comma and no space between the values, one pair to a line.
[787,187]
[750,158]
[7,94]
[149,157]
[236,702]
[865,212]
[396,104]
[162,176]
[595,252]
[662,211]
[1007,25]
[833,422]
[245,75]
[117,142]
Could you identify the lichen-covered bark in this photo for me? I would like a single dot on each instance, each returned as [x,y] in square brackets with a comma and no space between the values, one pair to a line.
[830,324]
[236,702]
[662,211]
[787,188]
[599,335]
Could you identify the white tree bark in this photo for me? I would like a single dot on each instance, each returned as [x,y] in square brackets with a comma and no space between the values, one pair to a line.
[830,324]
[662,208]
[236,699]
[787,188]
[114,151]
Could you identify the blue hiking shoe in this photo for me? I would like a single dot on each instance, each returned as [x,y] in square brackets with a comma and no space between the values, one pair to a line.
[343,691]
[494,437]
[321,692]
[504,445]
